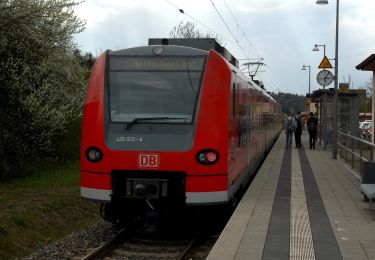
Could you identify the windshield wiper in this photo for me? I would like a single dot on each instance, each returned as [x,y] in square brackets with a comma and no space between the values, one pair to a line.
[138,119]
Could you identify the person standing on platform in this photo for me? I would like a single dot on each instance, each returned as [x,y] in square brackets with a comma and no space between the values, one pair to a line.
[312,126]
[290,127]
[298,131]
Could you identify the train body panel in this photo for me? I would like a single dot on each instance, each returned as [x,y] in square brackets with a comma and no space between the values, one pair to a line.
[166,122]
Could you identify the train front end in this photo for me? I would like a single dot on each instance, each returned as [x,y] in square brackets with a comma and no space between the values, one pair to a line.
[154,130]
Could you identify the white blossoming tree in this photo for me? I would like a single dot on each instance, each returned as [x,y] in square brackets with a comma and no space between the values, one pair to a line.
[42,85]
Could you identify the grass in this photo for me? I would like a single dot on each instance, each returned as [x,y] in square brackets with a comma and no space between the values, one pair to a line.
[40,209]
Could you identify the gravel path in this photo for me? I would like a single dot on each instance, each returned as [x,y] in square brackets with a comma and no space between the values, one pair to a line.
[77,243]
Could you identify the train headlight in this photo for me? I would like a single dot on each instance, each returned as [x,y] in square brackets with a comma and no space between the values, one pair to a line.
[211,157]
[94,154]
[201,157]
[207,157]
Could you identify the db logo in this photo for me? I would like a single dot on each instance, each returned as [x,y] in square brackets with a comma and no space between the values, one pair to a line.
[148,160]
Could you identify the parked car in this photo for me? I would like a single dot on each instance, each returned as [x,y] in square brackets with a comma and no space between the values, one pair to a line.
[366,131]
[364,123]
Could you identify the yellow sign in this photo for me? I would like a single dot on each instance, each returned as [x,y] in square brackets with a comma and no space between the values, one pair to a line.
[325,64]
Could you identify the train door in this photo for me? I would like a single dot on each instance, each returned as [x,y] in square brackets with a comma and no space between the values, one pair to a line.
[232,134]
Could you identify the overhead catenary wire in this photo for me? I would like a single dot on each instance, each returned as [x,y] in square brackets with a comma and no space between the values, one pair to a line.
[182,11]
[272,85]
[234,37]
[259,63]
[243,33]
[236,43]
[260,59]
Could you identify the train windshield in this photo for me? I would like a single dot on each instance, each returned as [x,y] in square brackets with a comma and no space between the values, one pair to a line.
[154,87]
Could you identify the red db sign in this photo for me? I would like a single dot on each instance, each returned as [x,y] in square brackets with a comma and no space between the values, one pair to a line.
[148,160]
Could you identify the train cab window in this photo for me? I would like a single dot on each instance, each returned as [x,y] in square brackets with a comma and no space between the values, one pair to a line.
[162,88]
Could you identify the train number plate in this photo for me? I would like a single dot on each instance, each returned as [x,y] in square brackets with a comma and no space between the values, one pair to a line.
[148,160]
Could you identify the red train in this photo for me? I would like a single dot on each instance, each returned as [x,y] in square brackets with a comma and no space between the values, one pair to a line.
[171,126]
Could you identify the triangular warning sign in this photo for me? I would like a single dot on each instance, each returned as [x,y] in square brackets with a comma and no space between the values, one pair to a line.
[325,64]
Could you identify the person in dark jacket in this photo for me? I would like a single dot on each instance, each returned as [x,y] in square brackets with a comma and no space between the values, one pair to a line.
[312,126]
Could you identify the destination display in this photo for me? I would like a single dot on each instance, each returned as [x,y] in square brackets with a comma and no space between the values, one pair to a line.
[156,63]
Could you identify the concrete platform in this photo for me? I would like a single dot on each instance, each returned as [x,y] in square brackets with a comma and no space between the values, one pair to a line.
[301,205]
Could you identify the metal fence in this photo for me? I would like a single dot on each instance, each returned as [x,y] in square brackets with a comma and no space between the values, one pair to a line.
[354,150]
[348,121]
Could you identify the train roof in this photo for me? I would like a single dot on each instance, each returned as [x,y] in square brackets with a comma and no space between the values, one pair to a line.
[153,50]
[199,43]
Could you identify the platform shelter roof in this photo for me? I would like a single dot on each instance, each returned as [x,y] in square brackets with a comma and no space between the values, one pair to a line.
[368,64]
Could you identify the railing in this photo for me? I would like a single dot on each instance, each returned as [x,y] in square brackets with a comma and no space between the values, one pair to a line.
[355,150]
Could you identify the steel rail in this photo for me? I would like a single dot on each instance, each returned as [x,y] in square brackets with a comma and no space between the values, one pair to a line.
[104,247]
[187,249]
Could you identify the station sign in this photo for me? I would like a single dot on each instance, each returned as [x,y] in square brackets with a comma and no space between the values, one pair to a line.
[325,64]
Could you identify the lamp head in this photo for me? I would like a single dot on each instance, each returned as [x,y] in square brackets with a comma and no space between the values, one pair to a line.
[316,48]
[321,2]
[303,67]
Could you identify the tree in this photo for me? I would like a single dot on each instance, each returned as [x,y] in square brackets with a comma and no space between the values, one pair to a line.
[42,85]
[292,103]
[368,86]
[188,30]
[369,95]
[86,61]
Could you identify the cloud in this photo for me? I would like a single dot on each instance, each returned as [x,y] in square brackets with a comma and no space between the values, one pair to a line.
[283,32]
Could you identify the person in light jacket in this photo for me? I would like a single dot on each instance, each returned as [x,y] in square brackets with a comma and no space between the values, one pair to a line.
[289,127]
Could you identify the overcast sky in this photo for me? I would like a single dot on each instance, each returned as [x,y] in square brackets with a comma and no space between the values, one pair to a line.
[282,32]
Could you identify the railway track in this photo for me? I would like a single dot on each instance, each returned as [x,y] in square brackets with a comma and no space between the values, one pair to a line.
[176,238]
[97,252]
[137,248]
[128,245]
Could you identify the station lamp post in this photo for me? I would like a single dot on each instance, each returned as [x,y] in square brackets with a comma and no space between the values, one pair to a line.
[304,68]
[335,96]
[316,48]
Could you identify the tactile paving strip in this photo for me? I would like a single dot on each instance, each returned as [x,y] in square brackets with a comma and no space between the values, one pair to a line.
[301,243]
